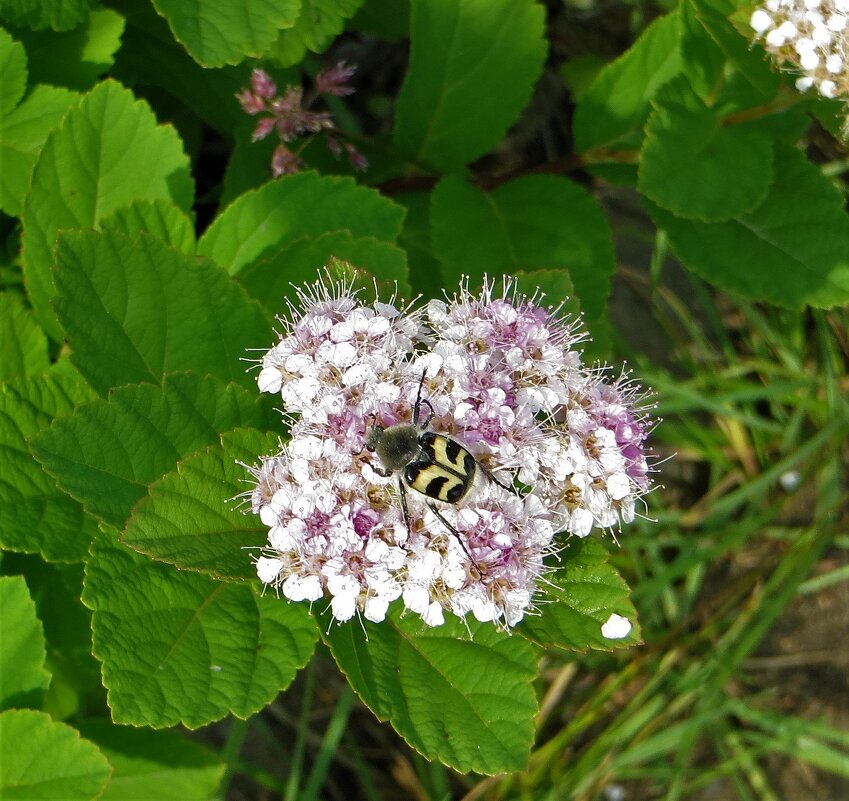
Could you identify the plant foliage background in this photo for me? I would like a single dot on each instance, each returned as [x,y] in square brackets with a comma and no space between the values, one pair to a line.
[645,161]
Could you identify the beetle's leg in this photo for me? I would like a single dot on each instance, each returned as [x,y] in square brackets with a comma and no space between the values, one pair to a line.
[403,491]
[495,481]
[456,533]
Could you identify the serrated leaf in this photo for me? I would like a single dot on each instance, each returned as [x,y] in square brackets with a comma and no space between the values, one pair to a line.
[292,208]
[556,285]
[159,218]
[56,589]
[217,33]
[23,346]
[585,591]
[75,58]
[13,68]
[149,55]
[784,252]
[190,517]
[107,152]
[108,452]
[161,765]
[425,270]
[269,280]
[697,167]
[420,679]
[22,673]
[618,101]
[180,647]
[544,222]
[318,23]
[750,62]
[60,15]
[41,760]
[136,310]
[22,134]
[704,60]
[467,55]
[35,515]
[24,127]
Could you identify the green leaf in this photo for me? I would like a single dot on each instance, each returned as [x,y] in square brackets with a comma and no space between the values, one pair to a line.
[191,518]
[75,58]
[294,207]
[536,222]
[420,679]
[472,68]
[22,674]
[35,515]
[704,61]
[22,135]
[585,591]
[618,102]
[750,62]
[180,647]
[268,280]
[60,15]
[41,760]
[385,19]
[786,252]
[217,33]
[425,271]
[135,310]
[24,127]
[556,286]
[107,153]
[159,218]
[23,346]
[13,68]
[150,56]
[108,452]
[697,167]
[56,589]
[319,22]
[161,765]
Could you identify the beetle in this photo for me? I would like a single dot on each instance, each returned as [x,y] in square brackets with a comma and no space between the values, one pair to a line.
[432,464]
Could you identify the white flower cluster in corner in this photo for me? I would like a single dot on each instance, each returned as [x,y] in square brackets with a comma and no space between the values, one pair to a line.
[497,372]
[813,36]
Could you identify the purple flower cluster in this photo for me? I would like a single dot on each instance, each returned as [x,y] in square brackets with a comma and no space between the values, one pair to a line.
[286,116]
[501,377]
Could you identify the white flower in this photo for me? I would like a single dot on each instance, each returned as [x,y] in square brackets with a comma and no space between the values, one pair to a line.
[495,371]
[268,569]
[616,627]
[302,588]
[828,89]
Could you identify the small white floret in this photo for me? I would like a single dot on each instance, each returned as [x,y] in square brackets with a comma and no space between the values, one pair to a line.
[809,60]
[821,35]
[836,23]
[775,38]
[834,64]
[268,569]
[616,627]
[828,89]
[760,21]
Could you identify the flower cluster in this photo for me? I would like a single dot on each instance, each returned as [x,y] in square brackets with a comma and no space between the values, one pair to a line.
[286,116]
[558,447]
[813,36]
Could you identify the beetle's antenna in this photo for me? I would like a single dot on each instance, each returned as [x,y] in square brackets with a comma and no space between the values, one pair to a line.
[419,402]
